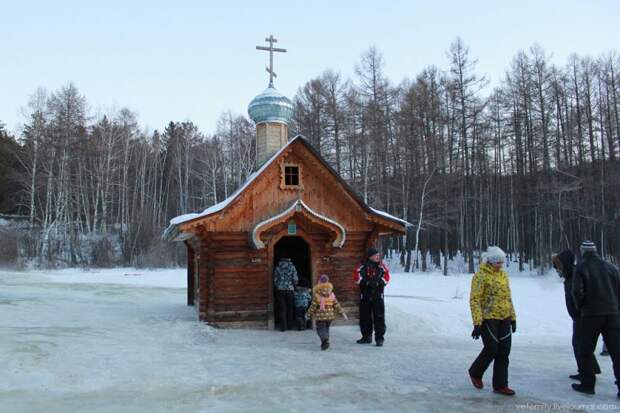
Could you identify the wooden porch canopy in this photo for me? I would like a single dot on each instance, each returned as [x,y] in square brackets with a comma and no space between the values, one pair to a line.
[299,208]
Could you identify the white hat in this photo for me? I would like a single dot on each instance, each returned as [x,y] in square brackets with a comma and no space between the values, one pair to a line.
[494,255]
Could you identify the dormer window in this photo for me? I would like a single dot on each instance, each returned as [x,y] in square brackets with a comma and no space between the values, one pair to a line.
[291,176]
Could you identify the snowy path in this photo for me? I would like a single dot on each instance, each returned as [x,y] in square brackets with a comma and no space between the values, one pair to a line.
[110,347]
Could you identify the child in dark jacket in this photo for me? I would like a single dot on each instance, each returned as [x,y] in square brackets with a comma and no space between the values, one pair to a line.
[324,308]
[303,297]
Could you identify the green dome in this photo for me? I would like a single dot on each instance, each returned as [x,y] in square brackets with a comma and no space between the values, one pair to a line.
[270,106]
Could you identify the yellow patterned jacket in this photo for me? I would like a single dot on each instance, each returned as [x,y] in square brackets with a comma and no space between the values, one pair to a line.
[490,296]
[324,305]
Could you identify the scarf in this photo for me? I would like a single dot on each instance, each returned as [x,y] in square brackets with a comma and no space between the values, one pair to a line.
[324,299]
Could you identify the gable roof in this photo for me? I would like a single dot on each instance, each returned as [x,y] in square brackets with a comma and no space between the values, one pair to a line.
[172,233]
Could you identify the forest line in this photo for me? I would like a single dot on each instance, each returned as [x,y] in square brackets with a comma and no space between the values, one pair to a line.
[532,165]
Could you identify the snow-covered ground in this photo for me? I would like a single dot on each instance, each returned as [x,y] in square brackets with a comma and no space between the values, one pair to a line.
[122,340]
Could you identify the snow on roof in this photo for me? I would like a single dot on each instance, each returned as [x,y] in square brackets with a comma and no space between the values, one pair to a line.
[174,222]
[220,206]
[270,92]
[213,208]
[392,217]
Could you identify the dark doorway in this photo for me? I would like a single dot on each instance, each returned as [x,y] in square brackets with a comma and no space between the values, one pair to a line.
[298,251]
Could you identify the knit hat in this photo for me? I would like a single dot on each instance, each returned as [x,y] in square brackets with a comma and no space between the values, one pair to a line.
[371,251]
[323,279]
[587,246]
[494,255]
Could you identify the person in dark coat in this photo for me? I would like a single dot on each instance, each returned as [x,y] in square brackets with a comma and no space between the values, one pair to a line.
[564,264]
[372,276]
[285,279]
[596,294]
[303,297]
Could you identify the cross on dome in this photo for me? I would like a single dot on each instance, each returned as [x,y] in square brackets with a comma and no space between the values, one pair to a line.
[271,40]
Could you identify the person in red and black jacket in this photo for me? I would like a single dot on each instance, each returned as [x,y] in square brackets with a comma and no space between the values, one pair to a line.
[372,276]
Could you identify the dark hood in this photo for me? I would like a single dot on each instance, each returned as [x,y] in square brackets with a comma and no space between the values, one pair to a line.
[565,263]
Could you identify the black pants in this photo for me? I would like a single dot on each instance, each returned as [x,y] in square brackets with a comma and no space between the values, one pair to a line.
[575,342]
[497,339]
[300,317]
[285,301]
[372,317]
[591,328]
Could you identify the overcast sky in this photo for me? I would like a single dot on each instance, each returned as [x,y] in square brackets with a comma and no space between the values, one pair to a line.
[192,60]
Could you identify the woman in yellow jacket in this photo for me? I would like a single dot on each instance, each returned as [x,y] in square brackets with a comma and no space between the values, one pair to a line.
[494,319]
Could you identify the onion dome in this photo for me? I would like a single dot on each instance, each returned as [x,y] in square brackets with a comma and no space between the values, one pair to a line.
[271,106]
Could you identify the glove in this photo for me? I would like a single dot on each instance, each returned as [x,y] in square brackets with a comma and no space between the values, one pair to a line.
[475,334]
[307,316]
[513,324]
[346,317]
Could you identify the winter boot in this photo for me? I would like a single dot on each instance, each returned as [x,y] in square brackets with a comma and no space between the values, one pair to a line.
[575,377]
[476,382]
[324,344]
[364,340]
[583,389]
[506,391]
[379,342]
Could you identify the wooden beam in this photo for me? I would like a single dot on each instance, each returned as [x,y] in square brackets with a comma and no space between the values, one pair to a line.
[191,276]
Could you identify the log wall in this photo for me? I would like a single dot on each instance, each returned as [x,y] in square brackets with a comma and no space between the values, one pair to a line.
[236,281]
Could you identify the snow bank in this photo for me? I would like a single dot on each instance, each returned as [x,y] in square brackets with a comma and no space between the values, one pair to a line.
[435,304]
[168,278]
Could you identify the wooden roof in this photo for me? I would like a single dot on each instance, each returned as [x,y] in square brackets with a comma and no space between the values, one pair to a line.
[184,226]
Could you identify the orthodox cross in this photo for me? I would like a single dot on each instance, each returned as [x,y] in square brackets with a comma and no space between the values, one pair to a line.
[271,40]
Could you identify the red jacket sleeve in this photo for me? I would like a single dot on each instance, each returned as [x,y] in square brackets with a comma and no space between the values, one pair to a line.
[357,275]
[386,273]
